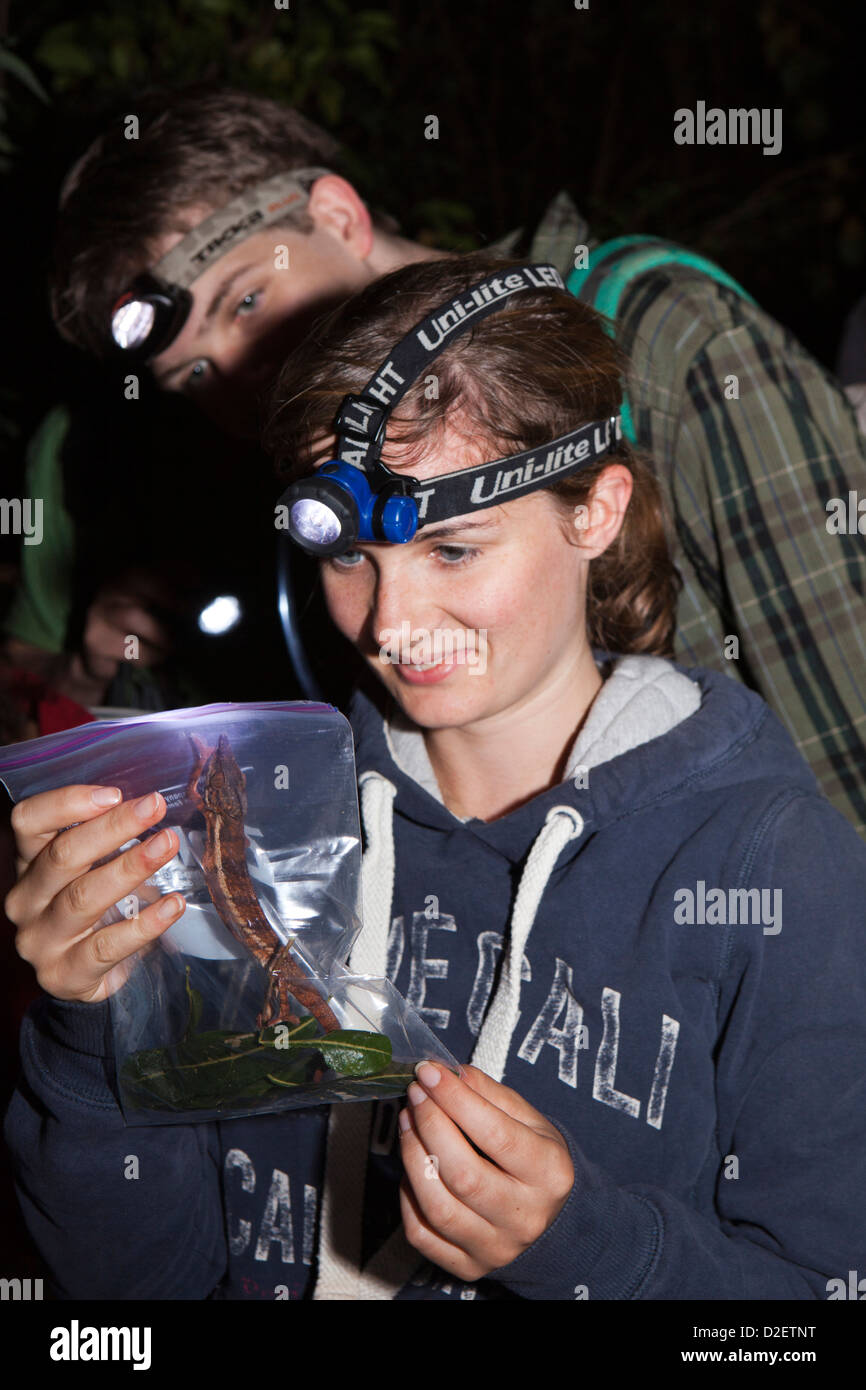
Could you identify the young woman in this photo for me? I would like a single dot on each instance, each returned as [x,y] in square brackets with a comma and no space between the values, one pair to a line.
[610,883]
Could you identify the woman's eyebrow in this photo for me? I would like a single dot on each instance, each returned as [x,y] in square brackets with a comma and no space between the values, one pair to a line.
[455,528]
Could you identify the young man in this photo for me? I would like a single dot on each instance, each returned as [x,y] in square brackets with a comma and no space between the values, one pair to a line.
[751,438]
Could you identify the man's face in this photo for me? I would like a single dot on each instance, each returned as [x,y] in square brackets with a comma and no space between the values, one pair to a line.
[247,314]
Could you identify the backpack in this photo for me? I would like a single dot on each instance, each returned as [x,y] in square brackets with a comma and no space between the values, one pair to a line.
[602,284]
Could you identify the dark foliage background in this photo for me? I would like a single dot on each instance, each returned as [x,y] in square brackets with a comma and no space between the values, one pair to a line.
[530,97]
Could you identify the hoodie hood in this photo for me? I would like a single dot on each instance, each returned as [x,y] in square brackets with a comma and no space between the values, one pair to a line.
[643,699]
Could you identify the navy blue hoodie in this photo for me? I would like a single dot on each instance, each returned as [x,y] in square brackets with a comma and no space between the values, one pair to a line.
[665,954]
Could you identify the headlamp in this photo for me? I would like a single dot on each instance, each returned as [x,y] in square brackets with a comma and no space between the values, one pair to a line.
[336,507]
[355,497]
[149,316]
[152,311]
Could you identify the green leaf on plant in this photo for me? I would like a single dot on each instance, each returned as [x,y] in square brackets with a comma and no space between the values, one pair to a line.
[10,62]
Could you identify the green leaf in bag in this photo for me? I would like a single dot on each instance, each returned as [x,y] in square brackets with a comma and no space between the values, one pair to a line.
[281,1036]
[353,1052]
[215,1070]
[384,1086]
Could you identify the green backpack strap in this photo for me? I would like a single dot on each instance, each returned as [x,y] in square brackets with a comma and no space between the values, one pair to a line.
[643,253]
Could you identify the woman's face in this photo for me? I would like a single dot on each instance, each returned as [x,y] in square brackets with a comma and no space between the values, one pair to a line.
[497,605]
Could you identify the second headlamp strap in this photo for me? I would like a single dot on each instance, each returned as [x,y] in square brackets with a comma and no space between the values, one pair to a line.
[255,208]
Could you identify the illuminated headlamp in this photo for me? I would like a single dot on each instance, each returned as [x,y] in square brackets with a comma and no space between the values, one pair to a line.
[331,511]
[149,316]
[355,497]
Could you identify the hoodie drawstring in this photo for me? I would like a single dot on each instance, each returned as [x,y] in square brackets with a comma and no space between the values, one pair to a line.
[561,824]
[342,1210]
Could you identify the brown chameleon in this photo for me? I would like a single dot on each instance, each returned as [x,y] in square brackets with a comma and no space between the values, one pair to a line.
[218,787]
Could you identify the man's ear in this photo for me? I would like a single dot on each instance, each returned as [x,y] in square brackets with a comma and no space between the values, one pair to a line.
[336,208]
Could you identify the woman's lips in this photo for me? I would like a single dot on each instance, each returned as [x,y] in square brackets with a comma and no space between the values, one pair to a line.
[429,677]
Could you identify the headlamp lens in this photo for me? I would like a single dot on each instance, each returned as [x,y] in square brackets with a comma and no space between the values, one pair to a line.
[315,521]
[132,323]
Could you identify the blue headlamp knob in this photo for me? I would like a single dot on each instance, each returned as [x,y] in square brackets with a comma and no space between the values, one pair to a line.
[336,507]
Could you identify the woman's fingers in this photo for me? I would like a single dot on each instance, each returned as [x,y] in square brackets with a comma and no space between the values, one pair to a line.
[514,1144]
[81,902]
[447,1254]
[506,1099]
[77,907]
[53,855]
[456,1189]
[37,819]
[60,897]
[93,968]
[482,1180]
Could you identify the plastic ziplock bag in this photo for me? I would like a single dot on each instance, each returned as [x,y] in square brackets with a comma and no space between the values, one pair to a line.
[245,1005]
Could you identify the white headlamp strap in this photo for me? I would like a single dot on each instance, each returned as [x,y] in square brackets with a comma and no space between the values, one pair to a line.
[257,207]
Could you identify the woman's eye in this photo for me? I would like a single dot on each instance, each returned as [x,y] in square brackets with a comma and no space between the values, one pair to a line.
[345,560]
[249,302]
[462,553]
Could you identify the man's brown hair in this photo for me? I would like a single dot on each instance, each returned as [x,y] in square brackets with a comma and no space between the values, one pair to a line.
[537,368]
[203,145]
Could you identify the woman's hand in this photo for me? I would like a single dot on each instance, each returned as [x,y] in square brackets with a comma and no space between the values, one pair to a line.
[59,897]
[471,1212]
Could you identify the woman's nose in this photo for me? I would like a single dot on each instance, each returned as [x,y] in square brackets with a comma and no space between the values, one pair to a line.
[400,608]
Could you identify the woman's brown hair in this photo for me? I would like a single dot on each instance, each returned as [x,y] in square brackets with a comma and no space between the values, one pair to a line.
[537,368]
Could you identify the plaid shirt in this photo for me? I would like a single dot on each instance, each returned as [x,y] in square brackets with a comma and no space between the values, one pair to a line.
[747,481]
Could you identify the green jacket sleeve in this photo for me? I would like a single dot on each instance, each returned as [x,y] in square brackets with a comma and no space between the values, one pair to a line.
[40,606]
